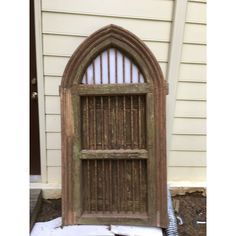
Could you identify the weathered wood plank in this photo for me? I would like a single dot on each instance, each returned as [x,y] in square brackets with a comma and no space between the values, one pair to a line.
[107,89]
[114,154]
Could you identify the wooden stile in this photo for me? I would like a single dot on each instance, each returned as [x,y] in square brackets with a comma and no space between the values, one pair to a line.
[113,139]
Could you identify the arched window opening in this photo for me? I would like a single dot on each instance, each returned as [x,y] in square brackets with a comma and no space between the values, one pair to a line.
[112,67]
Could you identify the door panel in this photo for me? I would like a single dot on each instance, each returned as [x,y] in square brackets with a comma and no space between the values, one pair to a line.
[114,186]
[114,155]
[113,122]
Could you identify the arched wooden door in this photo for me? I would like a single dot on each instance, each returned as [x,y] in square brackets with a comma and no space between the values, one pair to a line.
[113,133]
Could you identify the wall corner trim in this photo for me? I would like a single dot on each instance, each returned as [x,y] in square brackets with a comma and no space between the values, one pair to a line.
[40,80]
[175,52]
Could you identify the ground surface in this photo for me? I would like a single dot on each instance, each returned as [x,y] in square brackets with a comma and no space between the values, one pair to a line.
[190,207]
[192,210]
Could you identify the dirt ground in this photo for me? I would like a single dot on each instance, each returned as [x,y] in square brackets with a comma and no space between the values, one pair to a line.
[190,207]
[192,210]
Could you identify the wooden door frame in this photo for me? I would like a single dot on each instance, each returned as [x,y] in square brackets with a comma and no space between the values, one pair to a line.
[35,169]
[123,40]
[40,81]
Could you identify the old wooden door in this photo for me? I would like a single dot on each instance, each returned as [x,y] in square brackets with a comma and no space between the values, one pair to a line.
[109,142]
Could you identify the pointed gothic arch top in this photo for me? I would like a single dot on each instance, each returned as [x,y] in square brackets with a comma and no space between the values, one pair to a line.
[79,97]
[123,40]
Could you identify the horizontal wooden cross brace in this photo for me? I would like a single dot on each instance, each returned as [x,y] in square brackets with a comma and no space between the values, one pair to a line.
[114,154]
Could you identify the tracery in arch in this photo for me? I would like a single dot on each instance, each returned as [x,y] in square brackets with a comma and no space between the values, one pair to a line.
[112,67]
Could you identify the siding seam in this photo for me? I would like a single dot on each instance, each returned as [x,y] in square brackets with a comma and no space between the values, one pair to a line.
[66,34]
[106,15]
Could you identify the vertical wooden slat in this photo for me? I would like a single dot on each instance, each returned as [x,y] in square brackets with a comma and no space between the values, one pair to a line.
[143,122]
[140,186]
[124,116]
[131,122]
[139,123]
[101,79]
[110,184]
[103,186]
[87,123]
[121,118]
[138,76]
[93,73]
[106,122]
[116,79]
[96,186]
[102,123]
[109,122]
[90,121]
[118,189]
[94,123]
[108,65]
[113,126]
[89,198]
[117,122]
[131,72]
[125,187]
[133,185]
[123,63]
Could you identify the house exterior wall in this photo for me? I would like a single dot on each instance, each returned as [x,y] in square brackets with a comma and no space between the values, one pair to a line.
[66,23]
[187,156]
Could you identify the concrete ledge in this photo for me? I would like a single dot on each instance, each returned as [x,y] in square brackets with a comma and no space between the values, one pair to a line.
[35,204]
[50,191]
[181,188]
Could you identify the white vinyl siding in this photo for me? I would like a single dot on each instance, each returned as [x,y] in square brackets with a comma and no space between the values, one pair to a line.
[187,174]
[195,33]
[52,105]
[191,91]
[196,13]
[194,126]
[195,54]
[53,141]
[84,25]
[54,174]
[155,10]
[190,109]
[54,158]
[53,123]
[192,72]
[67,23]
[52,84]
[187,159]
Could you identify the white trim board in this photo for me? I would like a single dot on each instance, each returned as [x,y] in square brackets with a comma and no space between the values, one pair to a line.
[177,37]
[35,178]
[40,81]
